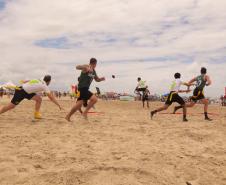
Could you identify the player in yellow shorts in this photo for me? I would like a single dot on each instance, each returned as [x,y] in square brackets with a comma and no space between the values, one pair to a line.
[88,74]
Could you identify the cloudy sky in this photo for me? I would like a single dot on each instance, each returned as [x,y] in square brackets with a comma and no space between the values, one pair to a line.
[151,39]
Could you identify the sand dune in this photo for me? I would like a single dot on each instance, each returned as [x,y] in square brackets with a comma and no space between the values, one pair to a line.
[119,146]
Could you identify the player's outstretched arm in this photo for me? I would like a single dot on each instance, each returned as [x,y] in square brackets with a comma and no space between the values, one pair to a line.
[52,98]
[97,79]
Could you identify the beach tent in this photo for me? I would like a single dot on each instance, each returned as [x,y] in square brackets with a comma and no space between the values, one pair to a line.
[9,85]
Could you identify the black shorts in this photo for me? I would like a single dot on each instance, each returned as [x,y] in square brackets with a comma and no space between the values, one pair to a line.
[174,97]
[197,95]
[145,98]
[85,94]
[141,89]
[19,95]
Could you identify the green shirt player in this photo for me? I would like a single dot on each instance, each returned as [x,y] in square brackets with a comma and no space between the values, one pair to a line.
[87,75]
[198,93]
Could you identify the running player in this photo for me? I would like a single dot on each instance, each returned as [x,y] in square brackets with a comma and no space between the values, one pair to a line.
[88,73]
[198,94]
[140,88]
[146,97]
[29,90]
[174,96]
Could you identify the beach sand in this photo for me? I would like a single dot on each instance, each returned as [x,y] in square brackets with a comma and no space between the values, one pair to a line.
[118,146]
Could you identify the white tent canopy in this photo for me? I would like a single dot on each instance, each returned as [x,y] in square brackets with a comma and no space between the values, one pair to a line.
[8,85]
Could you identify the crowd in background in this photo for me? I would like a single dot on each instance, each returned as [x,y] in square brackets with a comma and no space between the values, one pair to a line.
[110,96]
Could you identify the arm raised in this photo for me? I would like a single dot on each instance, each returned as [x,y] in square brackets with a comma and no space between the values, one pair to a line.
[84,68]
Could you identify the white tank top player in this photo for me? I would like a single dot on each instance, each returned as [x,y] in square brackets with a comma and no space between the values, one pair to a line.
[35,86]
[30,90]
[176,84]
[174,96]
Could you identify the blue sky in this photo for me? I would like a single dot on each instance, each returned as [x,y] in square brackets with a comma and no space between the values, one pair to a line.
[147,38]
[2,4]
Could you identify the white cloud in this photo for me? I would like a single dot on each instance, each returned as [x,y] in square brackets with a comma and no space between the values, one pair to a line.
[180,35]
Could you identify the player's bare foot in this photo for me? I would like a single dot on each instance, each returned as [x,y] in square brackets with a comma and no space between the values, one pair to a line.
[208,119]
[68,118]
[152,114]
[84,115]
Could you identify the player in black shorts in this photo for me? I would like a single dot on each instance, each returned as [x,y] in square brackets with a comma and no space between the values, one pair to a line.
[141,87]
[30,90]
[88,73]
[145,97]
[174,96]
[198,93]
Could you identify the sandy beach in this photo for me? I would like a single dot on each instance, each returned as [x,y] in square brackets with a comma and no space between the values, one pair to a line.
[119,145]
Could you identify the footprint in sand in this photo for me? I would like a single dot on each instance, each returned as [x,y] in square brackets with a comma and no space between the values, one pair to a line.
[37,166]
[22,170]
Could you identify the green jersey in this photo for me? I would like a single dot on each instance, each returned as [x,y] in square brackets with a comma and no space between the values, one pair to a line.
[86,79]
[200,82]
